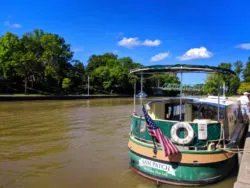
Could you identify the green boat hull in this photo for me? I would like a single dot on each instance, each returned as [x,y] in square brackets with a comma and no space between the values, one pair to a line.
[179,173]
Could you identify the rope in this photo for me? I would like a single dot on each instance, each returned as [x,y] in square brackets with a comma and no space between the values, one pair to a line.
[237,150]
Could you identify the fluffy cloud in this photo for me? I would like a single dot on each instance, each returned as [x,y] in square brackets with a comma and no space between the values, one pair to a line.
[244,46]
[196,53]
[160,56]
[133,42]
[129,42]
[151,43]
[8,24]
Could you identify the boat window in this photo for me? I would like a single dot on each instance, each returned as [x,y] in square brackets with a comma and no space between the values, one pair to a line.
[143,128]
[205,111]
[168,112]
[173,111]
[137,126]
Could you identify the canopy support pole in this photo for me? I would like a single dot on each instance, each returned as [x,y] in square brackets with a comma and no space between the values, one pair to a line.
[181,97]
[141,88]
[218,111]
[141,81]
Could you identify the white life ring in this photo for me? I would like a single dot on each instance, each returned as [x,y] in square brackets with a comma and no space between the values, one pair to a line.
[176,138]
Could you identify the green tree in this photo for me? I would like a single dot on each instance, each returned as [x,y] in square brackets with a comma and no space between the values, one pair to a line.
[55,57]
[9,47]
[244,86]
[126,79]
[238,67]
[161,80]
[246,72]
[27,62]
[77,74]
[231,82]
[96,61]
[109,74]
[211,84]
[66,84]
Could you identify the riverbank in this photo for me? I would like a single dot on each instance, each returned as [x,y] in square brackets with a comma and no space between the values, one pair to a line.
[21,97]
[56,97]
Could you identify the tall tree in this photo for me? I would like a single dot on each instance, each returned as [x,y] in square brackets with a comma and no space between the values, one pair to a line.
[99,60]
[231,82]
[55,57]
[9,47]
[238,67]
[246,72]
[28,60]
[77,74]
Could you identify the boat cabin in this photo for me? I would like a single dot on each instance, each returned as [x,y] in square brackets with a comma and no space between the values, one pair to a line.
[196,120]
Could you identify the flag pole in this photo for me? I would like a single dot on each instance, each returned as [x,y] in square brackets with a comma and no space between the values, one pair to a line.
[181,96]
[218,113]
[134,92]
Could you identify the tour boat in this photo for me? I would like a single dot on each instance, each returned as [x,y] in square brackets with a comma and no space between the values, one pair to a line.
[204,130]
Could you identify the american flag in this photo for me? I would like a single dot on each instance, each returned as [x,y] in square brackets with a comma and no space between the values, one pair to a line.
[154,131]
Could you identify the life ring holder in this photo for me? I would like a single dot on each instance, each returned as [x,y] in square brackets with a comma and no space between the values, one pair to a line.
[183,141]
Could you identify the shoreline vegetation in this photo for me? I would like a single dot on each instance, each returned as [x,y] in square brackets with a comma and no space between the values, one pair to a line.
[42,63]
[31,97]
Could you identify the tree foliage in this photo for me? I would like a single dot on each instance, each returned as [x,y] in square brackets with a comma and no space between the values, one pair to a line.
[66,83]
[231,82]
[9,47]
[110,74]
[244,86]
[246,72]
[42,62]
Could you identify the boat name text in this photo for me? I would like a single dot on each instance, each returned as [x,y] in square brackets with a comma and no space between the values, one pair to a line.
[156,165]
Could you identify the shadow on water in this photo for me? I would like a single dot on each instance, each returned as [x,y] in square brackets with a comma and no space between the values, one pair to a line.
[81,143]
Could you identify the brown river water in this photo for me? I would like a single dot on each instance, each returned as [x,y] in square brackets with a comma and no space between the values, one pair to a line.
[79,143]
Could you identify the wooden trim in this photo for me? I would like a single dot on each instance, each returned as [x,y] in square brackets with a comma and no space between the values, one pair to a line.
[191,158]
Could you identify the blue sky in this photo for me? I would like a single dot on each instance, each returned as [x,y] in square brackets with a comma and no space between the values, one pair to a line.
[150,32]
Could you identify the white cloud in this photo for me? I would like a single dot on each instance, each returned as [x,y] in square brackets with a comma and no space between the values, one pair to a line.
[133,42]
[244,46]
[77,49]
[129,42]
[8,24]
[160,56]
[151,43]
[196,53]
